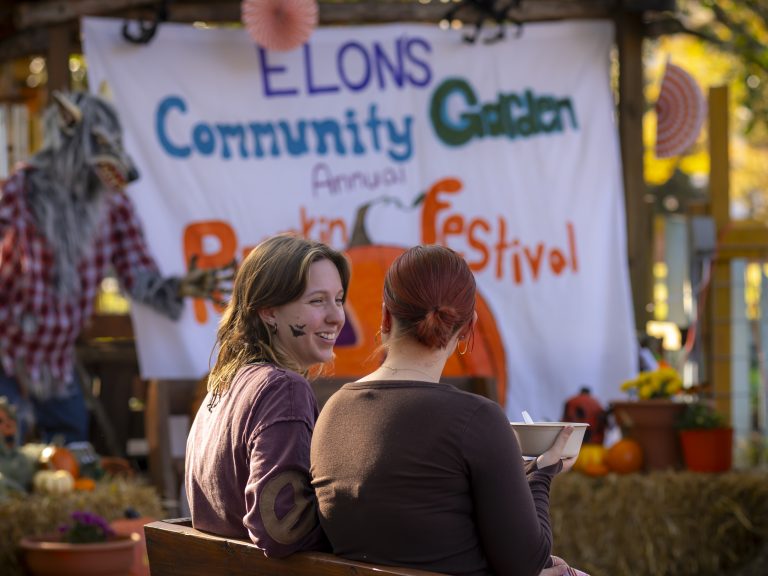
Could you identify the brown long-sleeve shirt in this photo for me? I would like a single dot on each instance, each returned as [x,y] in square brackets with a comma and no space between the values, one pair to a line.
[426,476]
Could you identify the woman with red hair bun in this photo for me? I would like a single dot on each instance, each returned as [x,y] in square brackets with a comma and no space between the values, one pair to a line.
[410,471]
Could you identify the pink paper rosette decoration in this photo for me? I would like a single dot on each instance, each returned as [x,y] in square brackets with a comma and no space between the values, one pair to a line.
[279,24]
[680,112]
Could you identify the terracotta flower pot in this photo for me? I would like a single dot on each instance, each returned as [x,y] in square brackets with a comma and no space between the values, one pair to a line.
[128,526]
[707,449]
[48,556]
[652,423]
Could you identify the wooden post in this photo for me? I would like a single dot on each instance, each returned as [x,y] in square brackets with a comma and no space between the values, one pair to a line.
[718,329]
[57,58]
[629,29]
[156,431]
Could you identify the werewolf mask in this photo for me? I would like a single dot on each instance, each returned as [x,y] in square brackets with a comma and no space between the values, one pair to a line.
[82,160]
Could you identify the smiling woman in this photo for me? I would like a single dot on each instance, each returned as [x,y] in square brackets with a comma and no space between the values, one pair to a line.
[314,320]
[247,463]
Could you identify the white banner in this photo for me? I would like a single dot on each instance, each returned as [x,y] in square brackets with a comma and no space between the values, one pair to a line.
[505,152]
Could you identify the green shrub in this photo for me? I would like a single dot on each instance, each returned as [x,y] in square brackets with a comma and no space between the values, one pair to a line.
[700,415]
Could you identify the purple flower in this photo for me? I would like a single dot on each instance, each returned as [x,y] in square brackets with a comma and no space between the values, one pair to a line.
[86,527]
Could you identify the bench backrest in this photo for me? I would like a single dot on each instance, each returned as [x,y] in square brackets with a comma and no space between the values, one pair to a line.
[175,548]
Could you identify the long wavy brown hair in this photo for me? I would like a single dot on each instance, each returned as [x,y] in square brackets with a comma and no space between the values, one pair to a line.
[273,274]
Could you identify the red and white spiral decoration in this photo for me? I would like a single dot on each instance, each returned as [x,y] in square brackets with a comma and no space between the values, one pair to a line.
[680,112]
[279,24]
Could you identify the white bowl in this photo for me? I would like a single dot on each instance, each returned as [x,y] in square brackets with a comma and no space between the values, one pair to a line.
[537,438]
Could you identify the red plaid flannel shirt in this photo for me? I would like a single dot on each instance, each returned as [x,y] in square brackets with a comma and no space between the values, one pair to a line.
[38,327]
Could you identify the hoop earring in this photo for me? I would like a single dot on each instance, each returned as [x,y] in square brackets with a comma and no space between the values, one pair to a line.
[273,329]
[377,337]
[458,347]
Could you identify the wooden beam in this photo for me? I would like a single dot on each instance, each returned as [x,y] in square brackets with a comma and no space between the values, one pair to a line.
[743,234]
[529,11]
[719,174]
[643,5]
[33,14]
[36,42]
[27,43]
[638,213]
[719,318]
[743,239]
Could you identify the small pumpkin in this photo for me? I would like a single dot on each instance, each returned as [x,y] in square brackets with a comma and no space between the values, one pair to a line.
[591,460]
[595,469]
[60,458]
[53,482]
[624,457]
[84,484]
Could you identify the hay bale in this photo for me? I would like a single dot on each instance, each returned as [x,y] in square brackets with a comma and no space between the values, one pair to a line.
[661,523]
[35,514]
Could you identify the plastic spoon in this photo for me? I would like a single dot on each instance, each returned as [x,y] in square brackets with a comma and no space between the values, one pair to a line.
[527,417]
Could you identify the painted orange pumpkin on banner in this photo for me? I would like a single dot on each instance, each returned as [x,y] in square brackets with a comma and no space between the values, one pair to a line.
[356,347]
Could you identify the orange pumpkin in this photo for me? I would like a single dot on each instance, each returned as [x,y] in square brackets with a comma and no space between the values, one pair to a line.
[591,460]
[60,458]
[624,457]
[595,469]
[85,484]
[356,346]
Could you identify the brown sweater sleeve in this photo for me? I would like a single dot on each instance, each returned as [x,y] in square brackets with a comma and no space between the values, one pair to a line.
[512,510]
[532,466]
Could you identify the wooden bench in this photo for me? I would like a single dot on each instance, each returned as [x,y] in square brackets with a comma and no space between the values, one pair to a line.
[175,549]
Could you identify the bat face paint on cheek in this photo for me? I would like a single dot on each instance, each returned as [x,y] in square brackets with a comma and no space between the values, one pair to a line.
[309,325]
[297,330]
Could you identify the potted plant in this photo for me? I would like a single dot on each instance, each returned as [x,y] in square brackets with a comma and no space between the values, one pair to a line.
[87,546]
[706,438]
[650,414]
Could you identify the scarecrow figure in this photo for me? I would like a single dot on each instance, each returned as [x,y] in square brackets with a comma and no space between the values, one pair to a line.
[65,224]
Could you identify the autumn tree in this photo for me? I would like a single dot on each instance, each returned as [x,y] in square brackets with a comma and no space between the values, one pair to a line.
[738,28]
